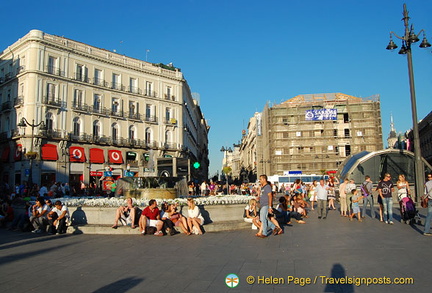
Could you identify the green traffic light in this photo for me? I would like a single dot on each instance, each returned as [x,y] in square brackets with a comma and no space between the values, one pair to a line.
[196,165]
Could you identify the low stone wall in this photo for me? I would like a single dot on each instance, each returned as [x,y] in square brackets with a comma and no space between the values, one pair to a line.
[105,215]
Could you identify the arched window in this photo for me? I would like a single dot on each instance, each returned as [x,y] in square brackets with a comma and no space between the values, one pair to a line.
[115,131]
[76,126]
[168,137]
[132,132]
[96,129]
[49,122]
[148,136]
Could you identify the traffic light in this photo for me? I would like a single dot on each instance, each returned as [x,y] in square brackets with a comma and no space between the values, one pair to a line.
[196,165]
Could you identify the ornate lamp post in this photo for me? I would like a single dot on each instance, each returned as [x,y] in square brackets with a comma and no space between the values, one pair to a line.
[226,150]
[31,155]
[409,38]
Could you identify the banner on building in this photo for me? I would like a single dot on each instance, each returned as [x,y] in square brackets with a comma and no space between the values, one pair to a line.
[321,114]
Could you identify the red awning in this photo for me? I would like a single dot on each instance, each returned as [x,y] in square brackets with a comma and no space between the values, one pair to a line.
[115,157]
[97,156]
[49,152]
[18,152]
[76,154]
[5,154]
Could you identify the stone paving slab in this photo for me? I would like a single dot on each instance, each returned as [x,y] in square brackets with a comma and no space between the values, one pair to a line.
[334,247]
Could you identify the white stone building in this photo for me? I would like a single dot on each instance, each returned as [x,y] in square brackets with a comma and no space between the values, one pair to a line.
[101,110]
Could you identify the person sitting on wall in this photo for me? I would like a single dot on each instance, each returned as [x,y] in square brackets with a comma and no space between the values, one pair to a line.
[150,217]
[127,215]
[38,216]
[57,218]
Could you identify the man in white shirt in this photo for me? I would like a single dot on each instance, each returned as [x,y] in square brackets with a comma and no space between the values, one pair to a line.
[58,217]
[321,193]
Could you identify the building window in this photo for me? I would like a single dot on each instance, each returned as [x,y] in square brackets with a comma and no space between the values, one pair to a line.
[114,131]
[98,77]
[149,89]
[168,114]
[76,126]
[51,90]
[116,81]
[335,132]
[133,85]
[347,132]
[49,122]
[115,108]
[96,102]
[168,137]
[148,111]
[132,108]
[52,65]
[81,73]
[78,98]
[347,150]
[148,136]
[132,132]
[168,94]
[346,118]
[96,129]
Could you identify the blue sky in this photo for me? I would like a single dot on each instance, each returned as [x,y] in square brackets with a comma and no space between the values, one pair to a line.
[240,54]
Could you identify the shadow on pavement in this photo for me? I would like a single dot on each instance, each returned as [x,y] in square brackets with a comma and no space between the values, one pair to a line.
[120,286]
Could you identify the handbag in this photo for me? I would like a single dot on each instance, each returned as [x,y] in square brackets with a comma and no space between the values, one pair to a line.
[424,202]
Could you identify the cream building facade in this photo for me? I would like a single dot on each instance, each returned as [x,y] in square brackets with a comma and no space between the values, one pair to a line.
[101,110]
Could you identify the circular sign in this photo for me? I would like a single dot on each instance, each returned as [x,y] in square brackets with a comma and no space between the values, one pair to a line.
[115,156]
[77,153]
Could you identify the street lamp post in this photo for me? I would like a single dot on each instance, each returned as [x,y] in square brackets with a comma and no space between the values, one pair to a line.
[409,38]
[226,150]
[31,155]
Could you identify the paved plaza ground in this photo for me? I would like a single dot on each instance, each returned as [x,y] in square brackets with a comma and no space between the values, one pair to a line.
[330,250]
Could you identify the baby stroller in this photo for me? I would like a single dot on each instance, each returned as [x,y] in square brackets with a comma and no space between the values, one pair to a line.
[409,213]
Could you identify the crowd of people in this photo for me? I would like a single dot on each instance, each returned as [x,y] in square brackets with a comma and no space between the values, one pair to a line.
[160,222]
[294,203]
[296,199]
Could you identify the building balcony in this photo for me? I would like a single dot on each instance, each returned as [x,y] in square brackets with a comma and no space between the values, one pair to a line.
[149,93]
[81,77]
[80,137]
[134,90]
[100,111]
[169,146]
[51,101]
[53,133]
[80,107]
[117,113]
[54,71]
[170,121]
[134,116]
[151,119]
[117,86]
[151,144]
[100,82]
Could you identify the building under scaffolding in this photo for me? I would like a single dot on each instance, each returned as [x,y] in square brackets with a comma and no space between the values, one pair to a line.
[315,133]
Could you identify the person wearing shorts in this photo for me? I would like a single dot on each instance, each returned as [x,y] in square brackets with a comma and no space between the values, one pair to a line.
[150,217]
[355,198]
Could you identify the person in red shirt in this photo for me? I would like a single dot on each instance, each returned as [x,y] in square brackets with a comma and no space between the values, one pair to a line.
[150,217]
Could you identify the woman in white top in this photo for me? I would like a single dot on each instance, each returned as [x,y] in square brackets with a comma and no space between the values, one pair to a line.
[403,187]
[195,219]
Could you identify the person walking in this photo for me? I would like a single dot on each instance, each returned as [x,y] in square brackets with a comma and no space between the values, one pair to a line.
[321,193]
[385,189]
[428,193]
[366,189]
